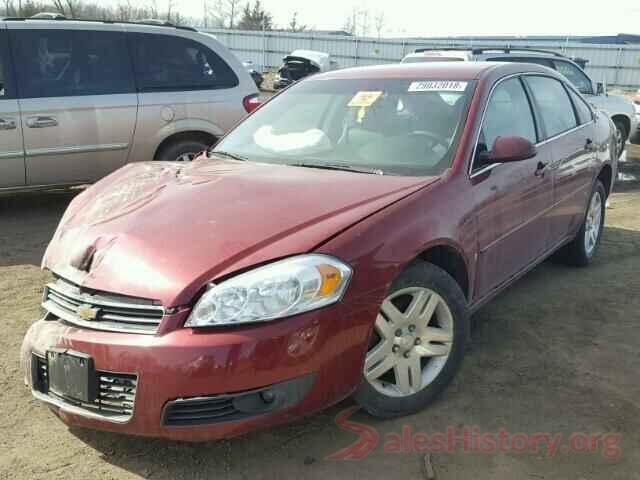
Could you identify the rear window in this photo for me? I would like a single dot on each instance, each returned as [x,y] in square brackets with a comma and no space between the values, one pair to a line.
[169,63]
[60,63]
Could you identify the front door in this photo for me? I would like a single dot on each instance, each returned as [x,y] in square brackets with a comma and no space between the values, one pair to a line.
[78,102]
[513,199]
[11,150]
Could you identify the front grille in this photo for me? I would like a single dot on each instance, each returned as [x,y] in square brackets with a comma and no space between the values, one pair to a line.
[115,396]
[101,311]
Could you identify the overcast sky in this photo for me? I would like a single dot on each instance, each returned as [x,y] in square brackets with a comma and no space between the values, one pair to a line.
[451,17]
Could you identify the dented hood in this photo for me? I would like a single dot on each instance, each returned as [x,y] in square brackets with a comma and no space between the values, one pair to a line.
[163,230]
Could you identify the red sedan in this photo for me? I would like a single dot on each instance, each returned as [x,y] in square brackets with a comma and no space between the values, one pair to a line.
[333,244]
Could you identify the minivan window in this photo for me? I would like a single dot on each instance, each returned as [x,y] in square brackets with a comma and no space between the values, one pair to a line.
[508,113]
[398,126]
[575,75]
[61,63]
[582,109]
[170,63]
[554,104]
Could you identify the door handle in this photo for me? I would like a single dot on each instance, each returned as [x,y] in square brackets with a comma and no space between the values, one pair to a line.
[540,168]
[41,122]
[8,124]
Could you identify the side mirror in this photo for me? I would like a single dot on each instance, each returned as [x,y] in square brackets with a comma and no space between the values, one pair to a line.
[510,149]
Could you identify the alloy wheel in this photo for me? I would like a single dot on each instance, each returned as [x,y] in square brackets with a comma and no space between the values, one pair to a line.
[186,157]
[593,224]
[413,337]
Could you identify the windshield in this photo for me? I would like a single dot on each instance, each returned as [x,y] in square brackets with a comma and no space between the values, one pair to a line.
[393,126]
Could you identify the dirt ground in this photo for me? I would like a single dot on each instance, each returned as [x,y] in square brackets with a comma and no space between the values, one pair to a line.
[556,353]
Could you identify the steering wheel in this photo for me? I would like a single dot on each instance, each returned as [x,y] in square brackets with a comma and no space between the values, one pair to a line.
[435,138]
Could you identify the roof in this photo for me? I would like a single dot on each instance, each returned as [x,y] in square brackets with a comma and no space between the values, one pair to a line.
[437,70]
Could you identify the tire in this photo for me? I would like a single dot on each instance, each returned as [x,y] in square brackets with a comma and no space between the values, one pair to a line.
[621,136]
[182,150]
[382,397]
[577,253]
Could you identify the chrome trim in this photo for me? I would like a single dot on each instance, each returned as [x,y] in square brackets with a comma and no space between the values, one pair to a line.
[14,154]
[473,174]
[76,410]
[141,316]
[36,152]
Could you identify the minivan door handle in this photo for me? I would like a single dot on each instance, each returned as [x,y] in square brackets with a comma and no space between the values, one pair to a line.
[589,146]
[41,122]
[540,168]
[8,124]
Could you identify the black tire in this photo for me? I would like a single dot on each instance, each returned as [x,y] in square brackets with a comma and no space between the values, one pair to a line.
[422,274]
[623,136]
[575,253]
[174,151]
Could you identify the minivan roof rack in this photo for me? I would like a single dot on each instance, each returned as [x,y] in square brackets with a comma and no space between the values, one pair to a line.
[478,50]
[150,22]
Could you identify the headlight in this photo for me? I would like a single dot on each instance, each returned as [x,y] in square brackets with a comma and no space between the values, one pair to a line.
[277,290]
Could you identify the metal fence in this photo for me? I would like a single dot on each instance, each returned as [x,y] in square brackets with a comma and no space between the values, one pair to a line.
[616,64]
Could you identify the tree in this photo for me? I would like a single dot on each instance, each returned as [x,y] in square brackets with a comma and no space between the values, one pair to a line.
[228,11]
[379,23]
[294,26]
[255,18]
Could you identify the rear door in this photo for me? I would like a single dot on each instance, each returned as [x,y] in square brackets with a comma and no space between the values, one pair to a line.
[11,149]
[77,99]
[513,198]
[569,129]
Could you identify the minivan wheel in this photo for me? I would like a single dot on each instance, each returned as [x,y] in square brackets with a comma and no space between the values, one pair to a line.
[182,151]
[417,343]
[581,251]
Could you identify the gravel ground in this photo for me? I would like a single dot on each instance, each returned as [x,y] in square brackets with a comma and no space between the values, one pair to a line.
[557,353]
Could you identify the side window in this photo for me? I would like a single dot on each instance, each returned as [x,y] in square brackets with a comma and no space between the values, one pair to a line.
[582,109]
[508,114]
[169,63]
[62,63]
[5,84]
[554,105]
[575,75]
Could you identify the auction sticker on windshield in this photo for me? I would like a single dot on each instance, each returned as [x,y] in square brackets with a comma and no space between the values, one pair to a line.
[438,86]
[364,99]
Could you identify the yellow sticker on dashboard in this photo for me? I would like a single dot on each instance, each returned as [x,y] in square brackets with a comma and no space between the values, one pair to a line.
[364,99]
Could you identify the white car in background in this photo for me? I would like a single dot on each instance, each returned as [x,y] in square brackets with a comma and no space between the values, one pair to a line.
[620,109]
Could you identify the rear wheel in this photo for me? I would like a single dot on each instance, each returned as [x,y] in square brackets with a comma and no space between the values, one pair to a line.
[417,344]
[581,251]
[182,151]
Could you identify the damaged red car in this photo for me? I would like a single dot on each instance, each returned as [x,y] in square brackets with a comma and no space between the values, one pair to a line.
[333,244]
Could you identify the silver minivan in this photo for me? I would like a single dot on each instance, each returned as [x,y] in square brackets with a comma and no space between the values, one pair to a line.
[80,99]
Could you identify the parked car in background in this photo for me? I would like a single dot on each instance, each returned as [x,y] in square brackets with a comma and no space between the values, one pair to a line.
[352,223]
[258,78]
[619,108]
[300,64]
[80,99]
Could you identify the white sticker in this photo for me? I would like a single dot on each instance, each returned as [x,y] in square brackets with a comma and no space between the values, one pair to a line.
[438,86]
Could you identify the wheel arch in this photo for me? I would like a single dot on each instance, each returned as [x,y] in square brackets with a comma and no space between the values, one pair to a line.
[626,121]
[451,259]
[606,177]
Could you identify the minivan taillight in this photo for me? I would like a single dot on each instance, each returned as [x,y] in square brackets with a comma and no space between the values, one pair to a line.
[251,102]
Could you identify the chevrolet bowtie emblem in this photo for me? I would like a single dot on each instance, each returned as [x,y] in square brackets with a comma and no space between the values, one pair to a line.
[87,313]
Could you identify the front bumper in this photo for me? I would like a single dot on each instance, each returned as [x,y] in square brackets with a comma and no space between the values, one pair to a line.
[318,356]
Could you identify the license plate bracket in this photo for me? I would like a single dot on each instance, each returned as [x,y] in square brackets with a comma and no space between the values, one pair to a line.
[71,375]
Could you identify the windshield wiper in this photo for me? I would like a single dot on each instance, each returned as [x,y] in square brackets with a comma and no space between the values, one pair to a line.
[339,166]
[222,153]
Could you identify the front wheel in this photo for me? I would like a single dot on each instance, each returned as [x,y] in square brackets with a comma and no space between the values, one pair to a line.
[182,151]
[621,136]
[417,343]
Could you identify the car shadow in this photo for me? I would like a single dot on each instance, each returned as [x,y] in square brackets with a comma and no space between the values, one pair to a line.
[27,223]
